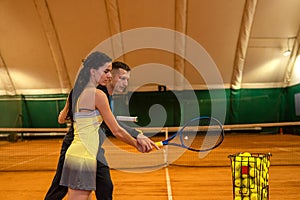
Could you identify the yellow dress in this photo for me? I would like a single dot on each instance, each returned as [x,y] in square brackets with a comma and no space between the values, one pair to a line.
[79,170]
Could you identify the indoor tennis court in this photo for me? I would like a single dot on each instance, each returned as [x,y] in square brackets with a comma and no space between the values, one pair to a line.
[27,168]
[215,83]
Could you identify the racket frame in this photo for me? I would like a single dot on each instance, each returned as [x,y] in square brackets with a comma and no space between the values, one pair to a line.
[180,131]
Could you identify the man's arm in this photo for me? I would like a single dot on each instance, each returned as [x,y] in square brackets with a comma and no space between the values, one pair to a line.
[132,131]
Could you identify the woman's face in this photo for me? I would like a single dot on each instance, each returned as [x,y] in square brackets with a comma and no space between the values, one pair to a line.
[103,74]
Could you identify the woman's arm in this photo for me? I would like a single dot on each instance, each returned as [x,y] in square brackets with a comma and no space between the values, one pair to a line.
[103,106]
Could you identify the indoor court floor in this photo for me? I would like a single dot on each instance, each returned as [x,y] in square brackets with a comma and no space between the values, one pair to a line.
[27,168]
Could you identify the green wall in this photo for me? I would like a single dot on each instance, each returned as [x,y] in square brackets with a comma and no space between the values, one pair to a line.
[31,111]
[242,106]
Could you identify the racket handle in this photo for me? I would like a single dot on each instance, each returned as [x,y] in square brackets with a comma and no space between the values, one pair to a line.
[159,144]
[127,119]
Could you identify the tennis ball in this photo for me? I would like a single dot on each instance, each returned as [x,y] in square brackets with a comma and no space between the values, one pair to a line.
[245,175]
[253,196]
[237,174]
[265,192]
[236,165]
[245,158]
[268,163]
[264,174]
[252,172]
[252,162]
[258,163]
[261,181]
[253,188]
[237,191]
[238,159]
[237,182]
[246,154]
[246,198]
[246,182]
[238,198]
[245,192]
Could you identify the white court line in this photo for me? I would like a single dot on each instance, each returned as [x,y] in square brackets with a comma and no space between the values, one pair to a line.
[281,149]
[169,189]
[168,181]
[27,161]
[286,150]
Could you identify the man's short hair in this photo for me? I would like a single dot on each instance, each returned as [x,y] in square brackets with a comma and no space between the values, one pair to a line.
[120,65]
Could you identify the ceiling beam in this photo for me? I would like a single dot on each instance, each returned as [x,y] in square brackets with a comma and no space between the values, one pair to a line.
[242,44]
[114,21]
[54,44]
[6,79]
[292,60]
[180,42]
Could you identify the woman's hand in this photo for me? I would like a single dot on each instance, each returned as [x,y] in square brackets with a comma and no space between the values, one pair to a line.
[145,145]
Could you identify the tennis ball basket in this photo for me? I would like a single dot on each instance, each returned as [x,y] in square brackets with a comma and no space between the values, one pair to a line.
[250,175]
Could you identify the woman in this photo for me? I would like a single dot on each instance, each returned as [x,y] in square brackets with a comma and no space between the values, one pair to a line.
[90,106]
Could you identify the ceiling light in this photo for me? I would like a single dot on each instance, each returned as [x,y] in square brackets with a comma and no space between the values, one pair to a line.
[288,51]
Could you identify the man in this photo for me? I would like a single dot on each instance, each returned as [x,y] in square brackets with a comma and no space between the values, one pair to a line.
[118,84]
[104,186]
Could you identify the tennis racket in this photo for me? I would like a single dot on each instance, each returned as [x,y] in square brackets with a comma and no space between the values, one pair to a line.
[200,134]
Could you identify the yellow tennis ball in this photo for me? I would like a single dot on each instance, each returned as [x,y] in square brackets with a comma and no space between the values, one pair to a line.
[268,163]
[253,196]
[261,181]
[246,198]
[264,174]
[238,198]
[258,163]
[247,154]
[252,162]
[236,164]
[245,158]
[245,191]
[252,172]
[238,159]
[253,188]
[265,193]
[238,182]
[237,174]
[237,191]
[246,182]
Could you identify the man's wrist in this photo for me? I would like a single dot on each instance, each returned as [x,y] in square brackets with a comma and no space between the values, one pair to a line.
[139,131]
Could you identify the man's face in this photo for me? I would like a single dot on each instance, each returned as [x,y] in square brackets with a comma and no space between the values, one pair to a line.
[119,81]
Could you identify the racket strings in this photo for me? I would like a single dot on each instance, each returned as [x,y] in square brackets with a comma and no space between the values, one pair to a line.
[202,134]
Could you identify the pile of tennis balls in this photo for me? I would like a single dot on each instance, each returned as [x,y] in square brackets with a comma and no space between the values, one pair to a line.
[250,175]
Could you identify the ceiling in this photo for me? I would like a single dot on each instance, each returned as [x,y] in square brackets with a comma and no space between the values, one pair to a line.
[235,43]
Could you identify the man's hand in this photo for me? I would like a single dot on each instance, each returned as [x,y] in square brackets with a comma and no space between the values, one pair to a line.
[145,144]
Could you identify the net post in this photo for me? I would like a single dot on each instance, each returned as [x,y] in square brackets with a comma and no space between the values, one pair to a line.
[165,148]
[166,133]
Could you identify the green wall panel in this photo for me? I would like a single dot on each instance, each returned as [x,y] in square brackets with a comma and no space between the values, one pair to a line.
[31,111]
[242,106]
[11,111]
[259,106]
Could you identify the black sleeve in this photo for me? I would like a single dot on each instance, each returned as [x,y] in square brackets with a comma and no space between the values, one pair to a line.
[132,131]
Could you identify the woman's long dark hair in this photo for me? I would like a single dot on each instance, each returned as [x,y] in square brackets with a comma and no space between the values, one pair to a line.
[93,61]
[70,113]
